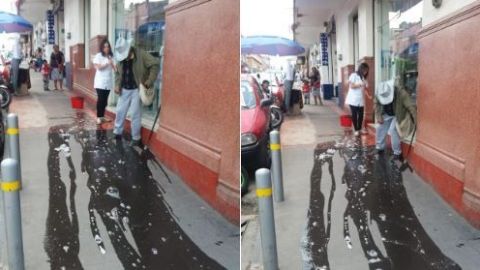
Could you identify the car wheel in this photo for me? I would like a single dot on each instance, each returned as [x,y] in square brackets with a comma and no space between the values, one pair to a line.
[276,117]
[6,97]
[2,137]
[265,156]
[244,181]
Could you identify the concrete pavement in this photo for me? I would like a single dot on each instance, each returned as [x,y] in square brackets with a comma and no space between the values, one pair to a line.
[347,208]
[90,202]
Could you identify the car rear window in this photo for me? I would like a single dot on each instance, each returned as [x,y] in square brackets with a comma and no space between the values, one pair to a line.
[247,96]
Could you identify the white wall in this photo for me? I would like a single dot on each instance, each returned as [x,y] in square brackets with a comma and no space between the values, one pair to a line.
[98,15]
[344,38]
[430,13]
[344,21]
[365,28]
[73,24]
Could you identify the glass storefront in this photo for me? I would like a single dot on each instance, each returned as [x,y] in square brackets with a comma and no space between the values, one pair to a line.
[143,22]
[397,24]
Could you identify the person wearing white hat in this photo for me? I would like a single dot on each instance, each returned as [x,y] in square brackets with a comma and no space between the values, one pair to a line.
[135,67]
[391,102]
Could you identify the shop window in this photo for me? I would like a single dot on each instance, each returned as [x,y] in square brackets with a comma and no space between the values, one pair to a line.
[142,22]
[397,24]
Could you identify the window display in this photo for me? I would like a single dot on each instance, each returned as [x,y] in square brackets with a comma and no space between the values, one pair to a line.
[143,22]
[397,24]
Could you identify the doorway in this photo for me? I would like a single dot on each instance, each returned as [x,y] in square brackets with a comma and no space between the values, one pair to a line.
[356,41]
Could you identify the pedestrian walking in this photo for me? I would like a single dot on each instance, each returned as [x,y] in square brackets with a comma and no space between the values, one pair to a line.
[391,104]
[38,63]
[57,61]
[17,56]
[358,85]
[306,91]
[315,82]
[103,82]
[45,69]
[135,66]
[288,84]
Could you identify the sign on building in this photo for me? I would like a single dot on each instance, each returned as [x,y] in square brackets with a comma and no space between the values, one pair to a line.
[50,27]
[324,48]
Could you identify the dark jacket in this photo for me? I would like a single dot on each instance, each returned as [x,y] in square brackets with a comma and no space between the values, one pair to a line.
[145,69]
[56,59]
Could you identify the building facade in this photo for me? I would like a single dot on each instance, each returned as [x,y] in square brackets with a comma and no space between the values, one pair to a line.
[428,48]
[197,42]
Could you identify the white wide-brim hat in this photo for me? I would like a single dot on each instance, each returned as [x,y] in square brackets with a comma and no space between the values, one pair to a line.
[122,48]
[385,92]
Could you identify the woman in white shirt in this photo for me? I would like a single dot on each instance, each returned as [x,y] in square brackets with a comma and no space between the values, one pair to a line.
[357,85]
[103,82]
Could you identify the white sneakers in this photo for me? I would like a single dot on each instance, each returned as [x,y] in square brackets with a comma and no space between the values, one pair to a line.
[101,120]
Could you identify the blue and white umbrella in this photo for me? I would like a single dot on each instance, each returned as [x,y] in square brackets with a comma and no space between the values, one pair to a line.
[11,23]
[270,45]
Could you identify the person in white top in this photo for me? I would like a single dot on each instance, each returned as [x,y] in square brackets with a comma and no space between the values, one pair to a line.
[357,86]
[17,56]
[288,84]
[103,82]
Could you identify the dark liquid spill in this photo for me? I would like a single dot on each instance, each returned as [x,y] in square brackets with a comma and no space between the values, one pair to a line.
[124,195]
[375,196]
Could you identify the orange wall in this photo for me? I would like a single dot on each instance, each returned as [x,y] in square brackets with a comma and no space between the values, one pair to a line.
[199,123]
[448,95]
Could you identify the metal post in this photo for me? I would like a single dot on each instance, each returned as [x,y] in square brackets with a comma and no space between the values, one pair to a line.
[267,220]
[10,186]
[277,174]
[13,140]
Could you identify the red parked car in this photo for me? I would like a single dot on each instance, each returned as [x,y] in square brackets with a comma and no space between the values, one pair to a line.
[255,125]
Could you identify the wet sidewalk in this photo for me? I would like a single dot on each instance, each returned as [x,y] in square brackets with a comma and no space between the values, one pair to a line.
[92,202]
[348,208]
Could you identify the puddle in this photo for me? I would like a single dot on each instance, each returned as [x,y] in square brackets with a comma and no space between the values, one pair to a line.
[377,203]
[124,199]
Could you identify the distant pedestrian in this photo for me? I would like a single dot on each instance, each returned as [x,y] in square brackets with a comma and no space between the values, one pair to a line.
[391,103]
[135,66]
[103,82]
[57,62]
[358,85]
[17,56]
[38,60]
[306,91]
[46,75]
[266,87]
[288,84]
[315,83]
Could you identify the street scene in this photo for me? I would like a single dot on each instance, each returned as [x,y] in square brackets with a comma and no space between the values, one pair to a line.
[337,102]
[105,167]
[351,145]
[91,202]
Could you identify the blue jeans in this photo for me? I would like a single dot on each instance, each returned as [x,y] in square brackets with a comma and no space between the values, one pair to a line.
[129,99]
[388,127]
[288,93]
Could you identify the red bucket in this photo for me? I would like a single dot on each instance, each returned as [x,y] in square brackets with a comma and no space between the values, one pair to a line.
[77,102]
[346,120]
